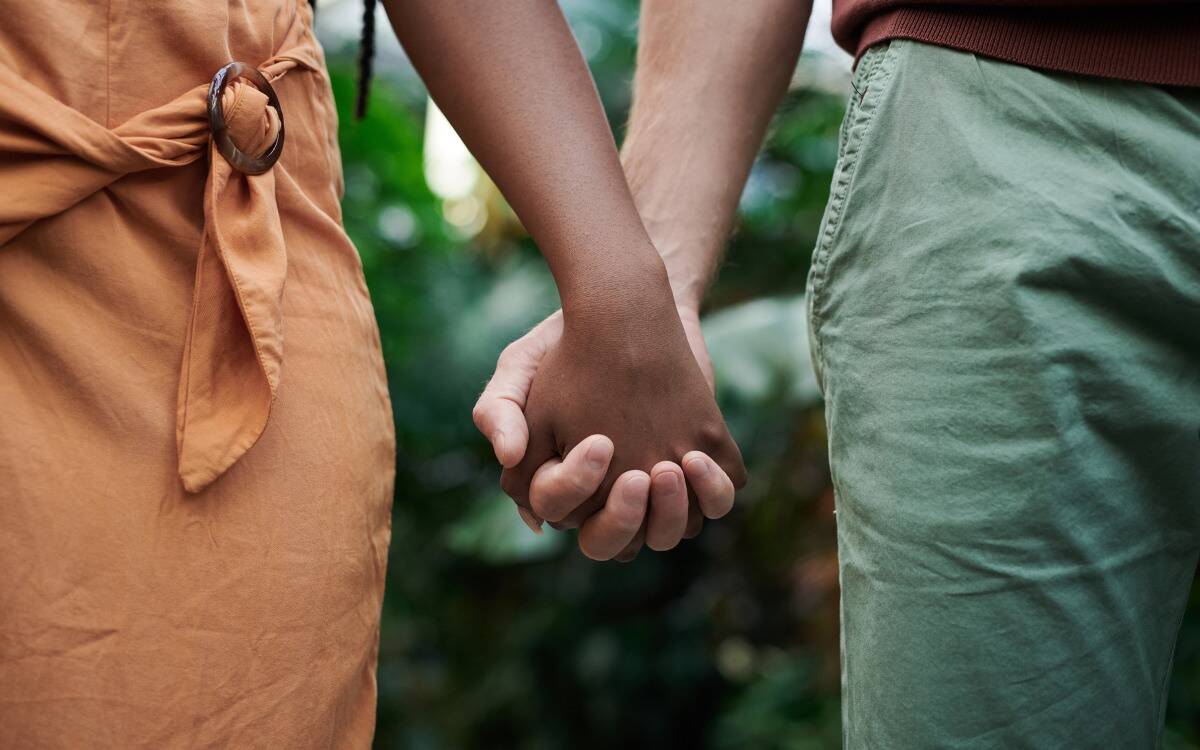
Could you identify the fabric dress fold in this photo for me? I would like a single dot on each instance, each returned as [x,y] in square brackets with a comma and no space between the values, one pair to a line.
[196,441]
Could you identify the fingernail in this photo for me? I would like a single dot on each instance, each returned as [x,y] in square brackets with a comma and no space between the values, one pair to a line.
[698,466]
[500,444]
[530,520]
[637,486]
[598,454]
[666,482]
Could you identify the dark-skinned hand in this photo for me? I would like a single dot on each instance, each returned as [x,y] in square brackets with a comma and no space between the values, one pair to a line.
[625,371]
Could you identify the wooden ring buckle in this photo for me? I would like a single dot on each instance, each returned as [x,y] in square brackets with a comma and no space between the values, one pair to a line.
[220,129]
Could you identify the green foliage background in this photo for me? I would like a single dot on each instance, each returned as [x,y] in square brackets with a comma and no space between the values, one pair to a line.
[493,638]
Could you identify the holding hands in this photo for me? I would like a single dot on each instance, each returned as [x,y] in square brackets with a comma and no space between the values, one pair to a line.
[603,416]
[607,423]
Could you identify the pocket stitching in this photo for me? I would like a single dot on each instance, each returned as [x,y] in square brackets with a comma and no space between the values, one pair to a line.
[849,161]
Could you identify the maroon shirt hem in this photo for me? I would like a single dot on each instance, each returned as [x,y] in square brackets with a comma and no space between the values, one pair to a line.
[1147,45]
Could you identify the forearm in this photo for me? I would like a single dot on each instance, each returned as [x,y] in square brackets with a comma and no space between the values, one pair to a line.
[510,78]
[709,77]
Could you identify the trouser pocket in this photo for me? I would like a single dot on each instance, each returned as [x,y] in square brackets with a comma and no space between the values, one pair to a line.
[868,86]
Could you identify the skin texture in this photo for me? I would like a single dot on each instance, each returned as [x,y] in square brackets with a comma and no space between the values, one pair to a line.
[709,77]
[622,365]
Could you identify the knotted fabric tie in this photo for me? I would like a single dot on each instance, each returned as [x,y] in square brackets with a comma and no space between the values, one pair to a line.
[52,157]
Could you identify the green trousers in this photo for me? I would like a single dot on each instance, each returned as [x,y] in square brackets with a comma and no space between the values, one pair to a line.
[1004,307]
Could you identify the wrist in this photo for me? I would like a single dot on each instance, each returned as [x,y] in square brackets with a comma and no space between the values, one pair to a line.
[686,259]
[629,287]
[688,239]
[689,285]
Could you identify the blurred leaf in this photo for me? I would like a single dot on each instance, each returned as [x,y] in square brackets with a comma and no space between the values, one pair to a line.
[493,532]
[760,349]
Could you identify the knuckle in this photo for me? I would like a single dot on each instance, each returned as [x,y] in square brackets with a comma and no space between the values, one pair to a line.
[579,484]
[712,432]
[479,413]
[509,351]
[511,354]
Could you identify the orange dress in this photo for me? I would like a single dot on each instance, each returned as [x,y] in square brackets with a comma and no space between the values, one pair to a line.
[196,443]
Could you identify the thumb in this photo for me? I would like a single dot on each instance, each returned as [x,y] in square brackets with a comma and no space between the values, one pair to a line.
[499,412]
[502,422]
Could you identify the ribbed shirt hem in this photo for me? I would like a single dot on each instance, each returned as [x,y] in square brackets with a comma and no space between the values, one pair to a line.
[1146,46]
